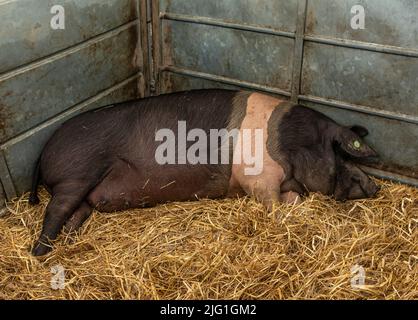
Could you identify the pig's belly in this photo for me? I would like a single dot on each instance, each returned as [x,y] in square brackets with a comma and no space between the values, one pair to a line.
[128,187]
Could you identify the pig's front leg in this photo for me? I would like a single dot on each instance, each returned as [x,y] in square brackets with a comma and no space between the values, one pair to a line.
[268,193]
[290,197]
[263,192]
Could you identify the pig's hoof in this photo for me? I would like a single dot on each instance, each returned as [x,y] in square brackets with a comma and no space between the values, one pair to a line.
[33,199]
[40,249]
[269,205]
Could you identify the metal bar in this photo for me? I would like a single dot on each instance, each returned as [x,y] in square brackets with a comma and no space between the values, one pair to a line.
[7,2]
[298,50]
[363,45]
[3,209]
[225,24]
[212,77]
[323,101]
[68,51]
[143,38]
[150,36]
[389,175]
[302,13]
[68,112]
[156,55]
[360,108]
[161,84]
[6,179]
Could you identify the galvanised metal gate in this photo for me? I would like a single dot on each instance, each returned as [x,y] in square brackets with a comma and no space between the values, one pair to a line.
[305,50]
[48,76]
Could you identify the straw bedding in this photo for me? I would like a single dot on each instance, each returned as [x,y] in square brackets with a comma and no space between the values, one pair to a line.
[229,249]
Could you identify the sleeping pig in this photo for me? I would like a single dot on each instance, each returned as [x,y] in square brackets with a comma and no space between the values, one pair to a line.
[192,145]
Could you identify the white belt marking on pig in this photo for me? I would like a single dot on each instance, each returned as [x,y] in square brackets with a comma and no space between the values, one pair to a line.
[266,185]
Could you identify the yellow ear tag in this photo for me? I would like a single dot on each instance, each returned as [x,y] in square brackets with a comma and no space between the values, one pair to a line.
[357,144]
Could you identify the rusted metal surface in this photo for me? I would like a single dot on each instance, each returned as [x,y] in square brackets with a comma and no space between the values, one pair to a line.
[357,76]
[98,59]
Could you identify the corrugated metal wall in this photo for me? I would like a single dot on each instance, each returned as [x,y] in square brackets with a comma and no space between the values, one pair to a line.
[305,50]
[47,76]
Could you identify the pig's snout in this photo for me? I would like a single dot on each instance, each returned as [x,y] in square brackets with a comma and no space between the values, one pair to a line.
[373,190]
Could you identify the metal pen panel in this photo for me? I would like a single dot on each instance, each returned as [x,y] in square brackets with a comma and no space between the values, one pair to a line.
[272,14]
[387,22]
[48,75]
[242,55]
[37,92]
[385,82]
[367,76]
[26,34]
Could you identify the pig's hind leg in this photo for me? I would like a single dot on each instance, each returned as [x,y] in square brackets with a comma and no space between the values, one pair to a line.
[81,214]
[66,199]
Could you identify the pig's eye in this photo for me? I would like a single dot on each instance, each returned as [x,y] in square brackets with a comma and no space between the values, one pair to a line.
[356,144]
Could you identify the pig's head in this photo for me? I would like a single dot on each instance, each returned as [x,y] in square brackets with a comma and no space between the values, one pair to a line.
[321,156]
[350,181]
[349,143]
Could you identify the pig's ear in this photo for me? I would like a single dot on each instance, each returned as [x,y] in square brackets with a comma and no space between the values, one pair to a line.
[360,131]
[349,143]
